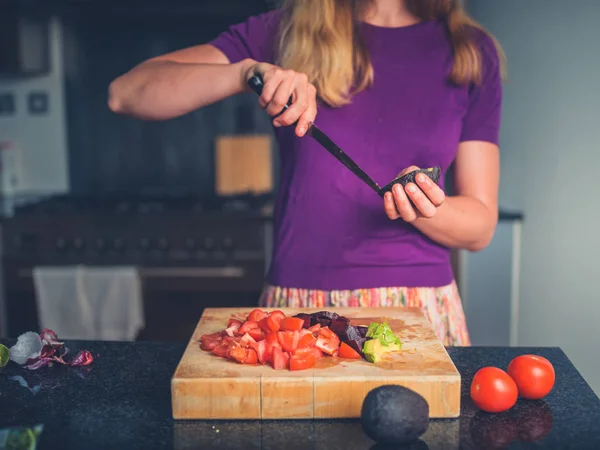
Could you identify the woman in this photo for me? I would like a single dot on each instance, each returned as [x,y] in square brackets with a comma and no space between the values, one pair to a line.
[398,84]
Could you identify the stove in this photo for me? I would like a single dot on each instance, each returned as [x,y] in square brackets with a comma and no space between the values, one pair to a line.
[191,252]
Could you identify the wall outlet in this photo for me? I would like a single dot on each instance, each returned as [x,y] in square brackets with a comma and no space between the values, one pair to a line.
[37,102]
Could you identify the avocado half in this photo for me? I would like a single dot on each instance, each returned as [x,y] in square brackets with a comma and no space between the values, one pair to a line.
[431,172]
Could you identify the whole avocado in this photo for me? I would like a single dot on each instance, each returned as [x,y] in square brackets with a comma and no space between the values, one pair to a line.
[393,414]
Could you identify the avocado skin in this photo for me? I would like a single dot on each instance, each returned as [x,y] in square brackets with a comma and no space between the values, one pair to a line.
[409,177]
[393,414]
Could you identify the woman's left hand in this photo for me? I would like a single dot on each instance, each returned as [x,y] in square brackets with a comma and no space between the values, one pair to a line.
[427,199]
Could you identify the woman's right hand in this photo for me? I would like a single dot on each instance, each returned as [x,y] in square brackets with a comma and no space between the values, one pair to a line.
[279,85]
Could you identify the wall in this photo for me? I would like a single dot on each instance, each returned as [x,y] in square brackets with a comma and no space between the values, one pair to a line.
[39,141]
[550,157]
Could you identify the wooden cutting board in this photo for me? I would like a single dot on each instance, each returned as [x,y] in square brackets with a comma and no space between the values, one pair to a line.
[206,386]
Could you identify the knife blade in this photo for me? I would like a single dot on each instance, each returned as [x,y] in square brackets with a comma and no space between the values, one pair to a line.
[256,83]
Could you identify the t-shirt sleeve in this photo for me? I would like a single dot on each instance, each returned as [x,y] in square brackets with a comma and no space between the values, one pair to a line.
[483,117]
[255,38]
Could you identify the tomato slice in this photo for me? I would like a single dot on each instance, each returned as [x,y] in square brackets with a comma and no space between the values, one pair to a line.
[251,357]
[264,325]
[348,352]
[274,320]
[238,354]
[302,362]
[292,324]
[328,342]
[234,323]
[247,326]
[247,341]
[263,351]
[315,327]
[257,334]
[288,340]
[307,340]
[279,361]
[317,354]
[256,315]
[271,338]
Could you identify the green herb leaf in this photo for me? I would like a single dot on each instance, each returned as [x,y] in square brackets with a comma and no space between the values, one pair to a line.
[4,355]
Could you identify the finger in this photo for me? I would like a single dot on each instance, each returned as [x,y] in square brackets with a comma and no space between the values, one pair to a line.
[308,117]
[435,194]
[389,206]
[300,103]
[408,170]
[272,79]
[406,210]
[422,203]
[281,96]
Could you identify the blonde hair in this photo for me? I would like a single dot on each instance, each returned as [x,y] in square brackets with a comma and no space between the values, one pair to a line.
[321,39]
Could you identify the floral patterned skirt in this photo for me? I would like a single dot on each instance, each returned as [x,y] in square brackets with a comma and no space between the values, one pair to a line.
[441,305]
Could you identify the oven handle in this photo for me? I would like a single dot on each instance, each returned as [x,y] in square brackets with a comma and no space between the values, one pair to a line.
[177,272]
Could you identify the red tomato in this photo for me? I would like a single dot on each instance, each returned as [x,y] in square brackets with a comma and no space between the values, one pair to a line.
[274,320]
[263,351]
[247,326]
[348,352]
[291,324]
[302,362]
[318,354]
[315,327]
[238,353]
[493,390]
[256,315]
[247,341]
[271,338]
[328,342]
[534,376]
[257,334]
[279,361]
[288,340]
[234,323]
[251,357]
[264,325]
[308,340]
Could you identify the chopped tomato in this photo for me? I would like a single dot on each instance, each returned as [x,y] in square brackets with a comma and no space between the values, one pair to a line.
[348,352]
[304,331]
[302,362]
[279,361]
[251,357]
[292,324]
[256,333]
[274,320]
[209,344]
[238,353]
[248,325]
[256,315]
[288,340]
[263,351]
[234,323]
[315,327]
[307,340]
[247,340]
[286,355]
[271,338]
[317,354]
[328,342]
[221,350]
[211,337]
[264,325]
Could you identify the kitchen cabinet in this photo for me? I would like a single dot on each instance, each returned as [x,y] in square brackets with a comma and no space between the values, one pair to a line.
[489,285]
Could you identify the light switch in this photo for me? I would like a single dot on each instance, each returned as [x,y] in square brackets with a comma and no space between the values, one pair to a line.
[38,102]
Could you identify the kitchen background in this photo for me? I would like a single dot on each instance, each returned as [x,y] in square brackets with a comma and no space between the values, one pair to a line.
[116,228]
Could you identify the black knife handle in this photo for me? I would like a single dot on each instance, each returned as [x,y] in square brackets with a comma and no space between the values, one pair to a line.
[256,84]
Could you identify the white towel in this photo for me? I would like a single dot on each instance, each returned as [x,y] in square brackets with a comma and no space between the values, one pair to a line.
[97,303]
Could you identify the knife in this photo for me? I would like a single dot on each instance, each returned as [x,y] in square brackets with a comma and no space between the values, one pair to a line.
[256,84]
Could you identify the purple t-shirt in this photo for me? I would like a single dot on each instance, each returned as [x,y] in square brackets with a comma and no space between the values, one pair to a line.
[331,231]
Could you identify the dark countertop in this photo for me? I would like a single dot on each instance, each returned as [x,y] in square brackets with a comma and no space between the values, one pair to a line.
[123,401]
